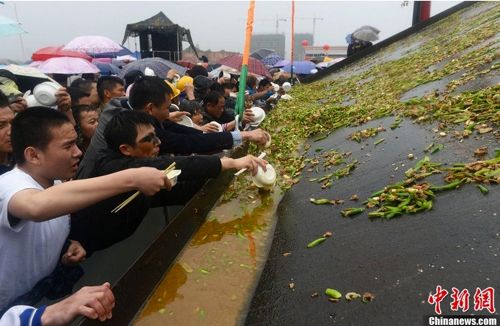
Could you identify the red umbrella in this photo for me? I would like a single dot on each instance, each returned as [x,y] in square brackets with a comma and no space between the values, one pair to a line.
[254,66]
[56,52]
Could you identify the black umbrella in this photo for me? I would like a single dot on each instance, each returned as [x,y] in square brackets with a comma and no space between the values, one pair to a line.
[158,65]
[262,53]
[366,33]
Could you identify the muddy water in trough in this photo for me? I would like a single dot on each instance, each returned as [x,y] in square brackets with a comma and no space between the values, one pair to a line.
[213,279]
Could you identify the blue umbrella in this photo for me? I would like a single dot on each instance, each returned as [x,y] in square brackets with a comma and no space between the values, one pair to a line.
[9,27]
[107,68]
[281,63]
[271,59]
[301,67]
[158,65]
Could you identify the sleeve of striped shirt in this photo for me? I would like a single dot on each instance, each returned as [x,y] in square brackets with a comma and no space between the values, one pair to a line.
[22,316]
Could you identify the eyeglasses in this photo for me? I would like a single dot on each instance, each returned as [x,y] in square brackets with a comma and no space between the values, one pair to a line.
[151,138]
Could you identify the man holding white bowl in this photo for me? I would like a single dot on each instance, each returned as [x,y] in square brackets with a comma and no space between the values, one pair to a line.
[152,95]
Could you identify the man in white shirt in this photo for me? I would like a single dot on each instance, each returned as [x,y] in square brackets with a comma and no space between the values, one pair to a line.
[34,205]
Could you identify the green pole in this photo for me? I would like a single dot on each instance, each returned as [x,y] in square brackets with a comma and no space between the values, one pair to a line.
[240,100]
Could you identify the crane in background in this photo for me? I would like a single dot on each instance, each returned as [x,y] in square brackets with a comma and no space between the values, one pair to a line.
[314,19]
[277,20]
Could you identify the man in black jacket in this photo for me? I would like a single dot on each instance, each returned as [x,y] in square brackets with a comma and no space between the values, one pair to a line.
[152,96]
[357,46]
[132,142]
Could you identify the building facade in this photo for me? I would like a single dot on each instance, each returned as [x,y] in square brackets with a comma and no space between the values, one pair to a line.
[274,42]
[298,50]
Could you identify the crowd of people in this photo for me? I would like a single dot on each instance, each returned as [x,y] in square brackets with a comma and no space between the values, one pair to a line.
[64,168]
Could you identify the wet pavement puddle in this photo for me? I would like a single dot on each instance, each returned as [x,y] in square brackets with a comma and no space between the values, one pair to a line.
[213,279]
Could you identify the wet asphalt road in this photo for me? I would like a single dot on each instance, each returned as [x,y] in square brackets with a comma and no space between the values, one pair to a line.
[456,244]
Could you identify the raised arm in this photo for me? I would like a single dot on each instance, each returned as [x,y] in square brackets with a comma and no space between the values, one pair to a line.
[71,196]
[249,162]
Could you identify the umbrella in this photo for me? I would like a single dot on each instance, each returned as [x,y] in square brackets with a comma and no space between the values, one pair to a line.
[186,64]
[271,60]
[301,67]
[10,27]
[68,66]
[35,64]
[102,60]
[262,53]
[56,52]
[213,66]
[27,77]
[348,38]
[281,63]
[108,68]
[254,65]
[368,27]
[366,33]
[93,44]
[126,58]
[215,73]
[25,71]
[158,65]
[113,54]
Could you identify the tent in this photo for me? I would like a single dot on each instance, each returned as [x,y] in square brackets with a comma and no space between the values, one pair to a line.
[159,37]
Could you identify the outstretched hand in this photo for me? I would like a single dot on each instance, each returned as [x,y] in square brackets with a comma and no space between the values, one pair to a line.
[177,116]
[257,136]
[210,127]
[151,180]
[249,162]
[248,116]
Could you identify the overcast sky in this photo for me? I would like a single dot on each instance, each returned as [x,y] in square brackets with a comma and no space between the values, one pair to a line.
[214,25]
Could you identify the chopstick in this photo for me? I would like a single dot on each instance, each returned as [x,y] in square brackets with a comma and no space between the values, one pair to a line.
[261,156]
[170,168]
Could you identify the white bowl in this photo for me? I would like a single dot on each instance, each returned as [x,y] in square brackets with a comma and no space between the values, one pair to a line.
[172,176]
[286,86]
[31,101]
[218,125]
[268,143]
[258,116]
[186,121]
[265,179]
[45,93]
[276,87]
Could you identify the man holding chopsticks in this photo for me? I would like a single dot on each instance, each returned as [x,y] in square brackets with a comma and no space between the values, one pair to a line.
[34,208]
[132,142]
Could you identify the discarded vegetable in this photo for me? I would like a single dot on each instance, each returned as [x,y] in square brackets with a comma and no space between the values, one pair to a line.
[352,296]
[332,293]
[316,242]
